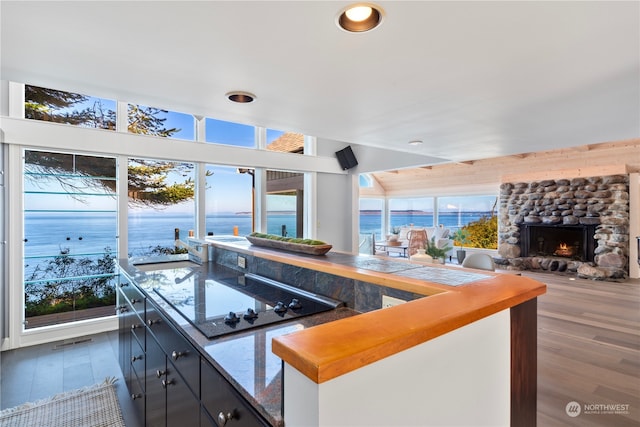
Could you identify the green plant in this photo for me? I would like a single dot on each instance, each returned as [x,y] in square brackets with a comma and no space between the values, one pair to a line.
[436,252]
[288,239]
[460,237]
[483,233]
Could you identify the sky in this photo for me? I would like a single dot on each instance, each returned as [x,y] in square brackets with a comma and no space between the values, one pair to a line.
[229,191]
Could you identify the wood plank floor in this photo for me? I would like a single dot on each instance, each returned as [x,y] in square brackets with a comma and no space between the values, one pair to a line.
[588,352]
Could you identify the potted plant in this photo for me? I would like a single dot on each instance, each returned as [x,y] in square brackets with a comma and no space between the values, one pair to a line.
[460,237]
[438,254]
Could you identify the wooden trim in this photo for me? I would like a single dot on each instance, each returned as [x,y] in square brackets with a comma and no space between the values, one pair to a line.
[524,363]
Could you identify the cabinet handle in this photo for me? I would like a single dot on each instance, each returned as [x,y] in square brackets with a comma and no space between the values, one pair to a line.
[134,358]
[160,373]
[223,418]
[165,383]
[135,301]
[151,322]
[136,326]
[178,354]
[121,309]
[136,396]
[122,285]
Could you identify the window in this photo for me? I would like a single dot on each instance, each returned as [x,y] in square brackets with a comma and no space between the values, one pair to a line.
[70,108]
[418,212]
[161,199]
[456,212]
[70,237]
[228,133]
[229,200]
[158,122]
[285,142]
[371,217]
[285,216]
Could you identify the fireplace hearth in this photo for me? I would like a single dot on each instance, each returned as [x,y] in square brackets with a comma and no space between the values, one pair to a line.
[575,242]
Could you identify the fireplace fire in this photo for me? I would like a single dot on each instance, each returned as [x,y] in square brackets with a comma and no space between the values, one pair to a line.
[564,250]
[576,242]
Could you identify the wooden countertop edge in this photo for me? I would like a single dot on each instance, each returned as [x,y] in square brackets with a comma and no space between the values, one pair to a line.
[330,350]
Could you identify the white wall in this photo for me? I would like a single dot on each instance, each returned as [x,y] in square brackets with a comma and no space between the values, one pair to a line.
[458,379]
[334,211]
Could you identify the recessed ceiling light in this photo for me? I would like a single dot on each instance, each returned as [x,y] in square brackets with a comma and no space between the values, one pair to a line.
[360,17]
[240,97]
[415,142]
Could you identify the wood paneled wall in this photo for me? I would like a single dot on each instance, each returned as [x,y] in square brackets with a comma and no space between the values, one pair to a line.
[485,176]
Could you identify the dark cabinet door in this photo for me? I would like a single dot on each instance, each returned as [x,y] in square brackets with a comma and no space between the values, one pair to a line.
[156,380]
[183,408]
[124,344]
[223,402]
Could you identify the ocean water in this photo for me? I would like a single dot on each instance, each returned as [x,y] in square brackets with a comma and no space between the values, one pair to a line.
[453,220]
[88,234]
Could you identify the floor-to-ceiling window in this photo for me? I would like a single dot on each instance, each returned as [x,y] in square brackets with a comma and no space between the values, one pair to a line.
[70,237]
[161,201]
[411,211]
[229,200]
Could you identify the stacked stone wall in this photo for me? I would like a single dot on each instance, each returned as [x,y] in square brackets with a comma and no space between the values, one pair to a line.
[601,200]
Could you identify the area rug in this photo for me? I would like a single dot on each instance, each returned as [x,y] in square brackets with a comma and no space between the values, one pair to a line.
[93,406]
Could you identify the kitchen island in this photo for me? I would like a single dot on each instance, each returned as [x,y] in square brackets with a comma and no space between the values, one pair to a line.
[361,339]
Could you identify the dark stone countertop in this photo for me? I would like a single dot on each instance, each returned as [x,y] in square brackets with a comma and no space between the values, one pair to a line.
[244,358]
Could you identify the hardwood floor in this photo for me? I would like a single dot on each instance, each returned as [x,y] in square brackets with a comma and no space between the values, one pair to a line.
[588,352]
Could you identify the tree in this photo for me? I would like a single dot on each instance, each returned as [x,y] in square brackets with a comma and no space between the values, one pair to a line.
[147,179]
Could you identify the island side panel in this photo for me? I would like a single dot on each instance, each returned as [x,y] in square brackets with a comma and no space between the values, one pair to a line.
[459,378]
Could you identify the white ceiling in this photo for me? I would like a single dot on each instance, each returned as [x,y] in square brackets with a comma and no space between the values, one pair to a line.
[471,79]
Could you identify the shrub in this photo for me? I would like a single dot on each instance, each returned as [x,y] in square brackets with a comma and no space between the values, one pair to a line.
[483,233]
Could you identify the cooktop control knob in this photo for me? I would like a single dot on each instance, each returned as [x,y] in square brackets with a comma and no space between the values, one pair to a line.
[231,318]
[280,307]
[295,304]
[250,314]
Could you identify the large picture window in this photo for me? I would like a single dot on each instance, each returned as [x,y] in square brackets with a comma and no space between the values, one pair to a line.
[70,237]
[161,199]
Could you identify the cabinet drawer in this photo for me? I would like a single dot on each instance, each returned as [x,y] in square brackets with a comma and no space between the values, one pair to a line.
[134,296]
[223,403]
[178,350]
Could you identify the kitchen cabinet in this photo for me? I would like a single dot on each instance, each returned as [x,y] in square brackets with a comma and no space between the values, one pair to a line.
[169,381]
[222,403]
[131,339]
[173,375]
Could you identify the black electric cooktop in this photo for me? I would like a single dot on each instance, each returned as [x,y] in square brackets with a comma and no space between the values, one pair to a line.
[223,305]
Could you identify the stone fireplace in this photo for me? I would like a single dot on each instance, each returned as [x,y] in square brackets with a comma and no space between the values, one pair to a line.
[576,225]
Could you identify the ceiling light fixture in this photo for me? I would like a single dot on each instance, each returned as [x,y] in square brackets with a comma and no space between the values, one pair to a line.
[360,17]
[415,142]
[240,97]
